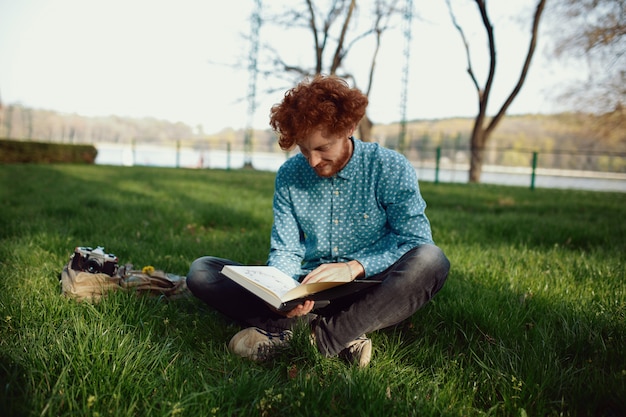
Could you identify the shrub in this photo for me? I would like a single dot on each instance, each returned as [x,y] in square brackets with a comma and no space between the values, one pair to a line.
[13,151]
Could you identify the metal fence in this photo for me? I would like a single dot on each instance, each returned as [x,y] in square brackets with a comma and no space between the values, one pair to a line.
[502,166]
[560,163]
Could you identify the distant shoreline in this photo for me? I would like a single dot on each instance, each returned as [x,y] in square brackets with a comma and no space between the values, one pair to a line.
[166,156]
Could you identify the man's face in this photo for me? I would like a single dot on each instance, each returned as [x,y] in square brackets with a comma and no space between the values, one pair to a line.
[326,155]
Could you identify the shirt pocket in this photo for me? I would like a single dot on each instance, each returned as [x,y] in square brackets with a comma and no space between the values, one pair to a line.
[369,225]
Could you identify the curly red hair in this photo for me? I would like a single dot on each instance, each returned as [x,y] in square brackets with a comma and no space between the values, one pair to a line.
[324,102]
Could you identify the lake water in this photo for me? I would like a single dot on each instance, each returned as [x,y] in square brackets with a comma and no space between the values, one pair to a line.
[150,155]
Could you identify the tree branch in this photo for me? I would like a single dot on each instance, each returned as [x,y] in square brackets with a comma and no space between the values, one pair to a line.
[313,27]
[524,73]
[458,27]
[338,56]
[484,99]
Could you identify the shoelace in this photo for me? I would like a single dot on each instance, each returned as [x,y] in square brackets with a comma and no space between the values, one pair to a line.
[267,347]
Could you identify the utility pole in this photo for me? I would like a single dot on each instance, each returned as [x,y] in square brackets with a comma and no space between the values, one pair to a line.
[408,18]
[255,26]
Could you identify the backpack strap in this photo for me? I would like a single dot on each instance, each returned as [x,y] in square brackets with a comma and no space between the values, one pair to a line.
[151,281]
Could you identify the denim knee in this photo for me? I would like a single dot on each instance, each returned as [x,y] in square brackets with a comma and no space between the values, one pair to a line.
[205,271]
[434,258]
[426,267]
[434,262]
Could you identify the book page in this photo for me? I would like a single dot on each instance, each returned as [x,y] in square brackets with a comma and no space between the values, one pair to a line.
[283,292]
[308,289]
[269,277]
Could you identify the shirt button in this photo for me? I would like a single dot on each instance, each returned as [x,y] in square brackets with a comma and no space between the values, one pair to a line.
[335,249]
[336,221]
[336,192]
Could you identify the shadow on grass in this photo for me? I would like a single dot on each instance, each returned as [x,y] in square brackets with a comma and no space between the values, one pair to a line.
[514,348]
[14,387]
[181,212]
[504,331]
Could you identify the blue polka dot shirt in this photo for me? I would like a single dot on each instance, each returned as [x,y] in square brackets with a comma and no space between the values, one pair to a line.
[371,211]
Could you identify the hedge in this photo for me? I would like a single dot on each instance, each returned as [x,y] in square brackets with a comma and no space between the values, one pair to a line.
[15,151]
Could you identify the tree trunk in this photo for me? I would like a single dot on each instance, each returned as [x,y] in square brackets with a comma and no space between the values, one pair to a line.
[365,129]
[477,150]
[480,133]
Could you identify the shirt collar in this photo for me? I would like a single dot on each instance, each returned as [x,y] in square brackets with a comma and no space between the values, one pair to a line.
[349,171]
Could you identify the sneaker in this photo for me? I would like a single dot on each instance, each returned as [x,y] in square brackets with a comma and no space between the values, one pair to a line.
[359,351]
[258,344]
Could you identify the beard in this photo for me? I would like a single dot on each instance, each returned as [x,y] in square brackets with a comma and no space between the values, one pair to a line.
[328,168]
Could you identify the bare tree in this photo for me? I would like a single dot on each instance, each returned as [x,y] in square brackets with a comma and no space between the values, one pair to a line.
[594,31]
[484,127]
[334,32]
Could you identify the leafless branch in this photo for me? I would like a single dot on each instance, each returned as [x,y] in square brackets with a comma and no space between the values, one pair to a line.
[458,27]
[529,55]
[338,55]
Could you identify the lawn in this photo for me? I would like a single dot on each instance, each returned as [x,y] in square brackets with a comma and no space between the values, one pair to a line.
[532,319]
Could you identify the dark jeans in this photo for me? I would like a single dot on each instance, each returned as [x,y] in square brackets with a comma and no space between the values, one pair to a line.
[407,285]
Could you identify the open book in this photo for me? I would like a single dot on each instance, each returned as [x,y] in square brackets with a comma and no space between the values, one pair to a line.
[283,292]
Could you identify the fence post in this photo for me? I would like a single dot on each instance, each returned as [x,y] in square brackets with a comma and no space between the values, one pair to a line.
[532,175]
[133,151]
[228,156]
[178,154]
[437,164]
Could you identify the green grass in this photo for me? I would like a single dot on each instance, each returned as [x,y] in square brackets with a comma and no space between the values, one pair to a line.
[532,320]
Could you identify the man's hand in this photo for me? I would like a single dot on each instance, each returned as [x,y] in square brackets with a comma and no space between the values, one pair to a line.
[338,272]
[301,310]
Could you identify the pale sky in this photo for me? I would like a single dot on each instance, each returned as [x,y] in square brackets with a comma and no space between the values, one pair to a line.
[156,58]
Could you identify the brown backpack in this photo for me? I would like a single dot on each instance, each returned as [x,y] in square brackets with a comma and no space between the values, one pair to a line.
[84,285]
